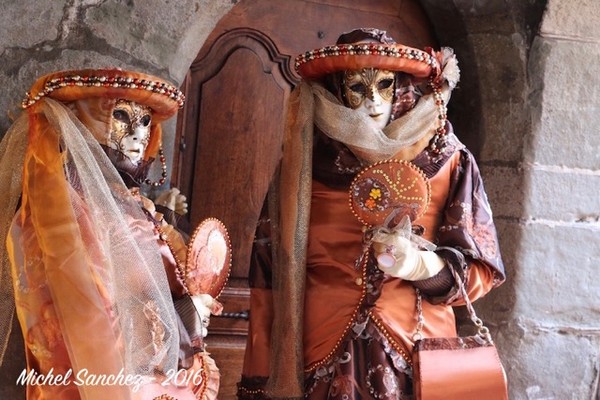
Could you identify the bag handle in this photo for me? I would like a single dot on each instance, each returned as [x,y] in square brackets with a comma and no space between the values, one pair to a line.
[482,331]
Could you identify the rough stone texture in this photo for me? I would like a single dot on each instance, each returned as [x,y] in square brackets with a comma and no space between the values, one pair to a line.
[568,104]
[501,69]
[557,273]
[564,195]
[504,187]
[556,287]
[574,22]
[537,144]
[18,30]
[157,37]
[558,365]
[20,42]
[166,34]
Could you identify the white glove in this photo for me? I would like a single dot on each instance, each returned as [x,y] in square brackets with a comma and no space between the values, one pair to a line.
[399,257]
[205,306]
[173,200]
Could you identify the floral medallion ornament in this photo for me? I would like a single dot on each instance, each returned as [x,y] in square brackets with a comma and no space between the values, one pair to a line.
[392,188]
[208,259]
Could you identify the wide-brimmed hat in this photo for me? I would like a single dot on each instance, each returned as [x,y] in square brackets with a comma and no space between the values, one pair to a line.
[93,86]
[161,96]
[317,63]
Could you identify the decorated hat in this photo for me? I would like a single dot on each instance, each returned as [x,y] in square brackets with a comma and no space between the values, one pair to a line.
[93,86]
[161,96]
[366,48]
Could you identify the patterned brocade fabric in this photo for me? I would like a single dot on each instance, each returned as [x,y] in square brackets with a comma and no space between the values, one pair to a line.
[372,358]
[366,365]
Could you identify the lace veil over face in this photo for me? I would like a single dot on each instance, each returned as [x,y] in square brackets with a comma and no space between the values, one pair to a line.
[100,260]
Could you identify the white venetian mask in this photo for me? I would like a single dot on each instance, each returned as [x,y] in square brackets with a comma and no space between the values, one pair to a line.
[370,91]
[130,129]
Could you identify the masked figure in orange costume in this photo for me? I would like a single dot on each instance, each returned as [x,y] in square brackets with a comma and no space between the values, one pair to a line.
[96,268]
[334,304]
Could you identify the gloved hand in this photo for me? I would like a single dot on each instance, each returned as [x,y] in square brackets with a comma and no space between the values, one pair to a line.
[205,306]
[399,257]
[173,200]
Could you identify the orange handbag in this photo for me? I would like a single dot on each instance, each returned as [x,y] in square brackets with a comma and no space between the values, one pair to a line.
[457,368]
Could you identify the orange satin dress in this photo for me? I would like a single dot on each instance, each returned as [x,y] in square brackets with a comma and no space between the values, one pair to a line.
[46,351]
[58,270]
[335,287]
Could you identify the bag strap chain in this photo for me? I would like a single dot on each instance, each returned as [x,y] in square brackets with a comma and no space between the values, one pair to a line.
[482,330]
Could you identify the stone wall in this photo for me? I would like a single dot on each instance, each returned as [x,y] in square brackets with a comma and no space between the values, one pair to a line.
[536,136]
[558,322]
[527,106]
[158,37]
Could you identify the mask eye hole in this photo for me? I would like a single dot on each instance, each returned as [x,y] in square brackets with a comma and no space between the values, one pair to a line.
[385,83]
[121,116]
[358,88]
[145,120]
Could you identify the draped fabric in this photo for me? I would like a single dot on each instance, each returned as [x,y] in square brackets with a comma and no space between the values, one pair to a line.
[12,155]
[82,265]
[82,259]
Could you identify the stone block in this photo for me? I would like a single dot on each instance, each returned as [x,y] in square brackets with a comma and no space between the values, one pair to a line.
[580,19]
[556,278]
[547,364]
[152,37]
[503,87]
[505,188]
[27,23]
[563,195]
[566,105]
[569,136]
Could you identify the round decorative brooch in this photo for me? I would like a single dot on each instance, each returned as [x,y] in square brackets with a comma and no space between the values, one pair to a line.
[392,188]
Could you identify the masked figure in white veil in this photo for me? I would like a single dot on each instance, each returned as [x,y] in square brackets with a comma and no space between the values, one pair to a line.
[334,306]
[96,267]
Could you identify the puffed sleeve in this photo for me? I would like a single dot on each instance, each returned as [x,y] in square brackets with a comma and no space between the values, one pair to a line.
[467,238]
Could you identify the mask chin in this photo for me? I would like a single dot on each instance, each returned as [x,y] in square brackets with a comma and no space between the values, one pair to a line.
[378,113]
[132,149]
[132,174]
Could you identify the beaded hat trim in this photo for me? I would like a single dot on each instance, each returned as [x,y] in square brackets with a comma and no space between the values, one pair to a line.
[392,57]
[158,94]
[162,97]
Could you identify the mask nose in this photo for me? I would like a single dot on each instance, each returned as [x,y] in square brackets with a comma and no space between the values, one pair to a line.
[371,93]
[137,132]
[373,99]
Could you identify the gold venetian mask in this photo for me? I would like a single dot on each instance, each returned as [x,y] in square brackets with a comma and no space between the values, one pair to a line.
[130,129]
[368,83]
[371,92]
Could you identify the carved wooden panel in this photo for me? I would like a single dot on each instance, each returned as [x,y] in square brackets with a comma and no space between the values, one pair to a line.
[232,137]
[229,136]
